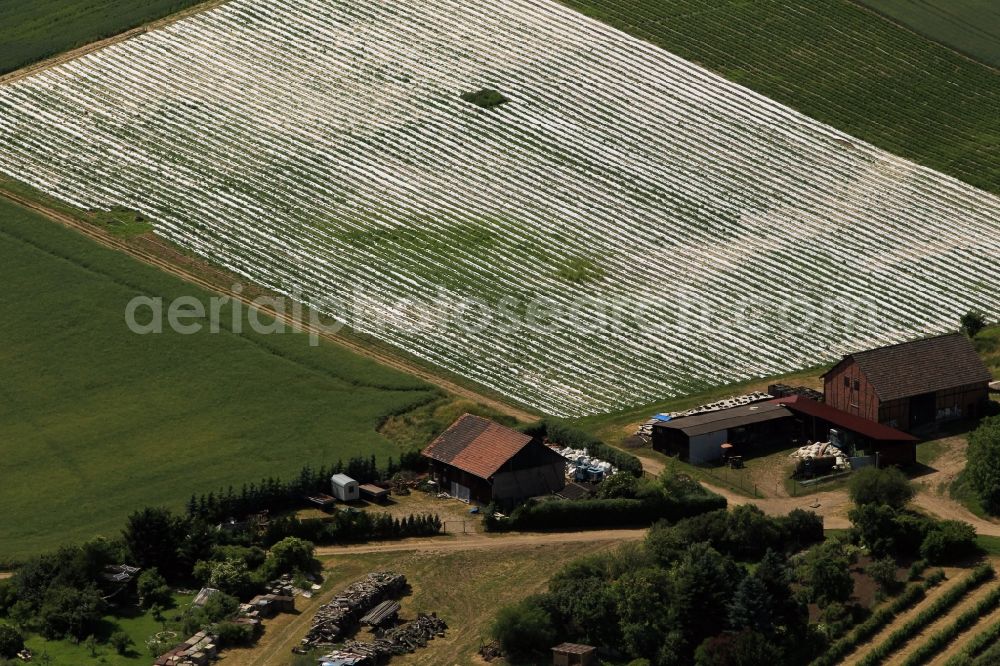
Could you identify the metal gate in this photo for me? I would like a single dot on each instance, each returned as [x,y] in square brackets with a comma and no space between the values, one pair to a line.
[462,527]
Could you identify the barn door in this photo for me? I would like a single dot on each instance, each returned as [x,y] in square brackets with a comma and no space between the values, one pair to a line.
[923,410]
[460,491]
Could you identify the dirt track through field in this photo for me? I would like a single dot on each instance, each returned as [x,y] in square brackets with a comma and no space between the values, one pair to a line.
[833,505]
[384,358]
[484,542]
[933,488]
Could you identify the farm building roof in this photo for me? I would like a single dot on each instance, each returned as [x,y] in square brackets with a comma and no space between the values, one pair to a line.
[203,595]
[477,445]
[575,491]
[922,366]
[574,648]
[723,419]
[841,419]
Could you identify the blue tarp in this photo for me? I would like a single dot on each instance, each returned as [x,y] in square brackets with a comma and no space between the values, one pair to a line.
[662,417]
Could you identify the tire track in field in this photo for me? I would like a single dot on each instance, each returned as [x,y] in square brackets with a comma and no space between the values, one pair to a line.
[384,358]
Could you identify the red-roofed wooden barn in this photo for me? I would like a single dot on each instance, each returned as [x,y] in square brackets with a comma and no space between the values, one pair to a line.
[477,459]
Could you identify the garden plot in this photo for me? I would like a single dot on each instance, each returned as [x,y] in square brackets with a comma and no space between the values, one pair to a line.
[324,149]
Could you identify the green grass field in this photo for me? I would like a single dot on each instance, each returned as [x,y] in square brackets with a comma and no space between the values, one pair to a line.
[841,64]
[31,30]
[96,421]
[969,26]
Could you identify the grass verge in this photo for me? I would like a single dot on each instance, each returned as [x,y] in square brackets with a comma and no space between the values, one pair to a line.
[108,421]
[31,30]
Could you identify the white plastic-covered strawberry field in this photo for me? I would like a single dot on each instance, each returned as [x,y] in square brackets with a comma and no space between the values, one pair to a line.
[321,147]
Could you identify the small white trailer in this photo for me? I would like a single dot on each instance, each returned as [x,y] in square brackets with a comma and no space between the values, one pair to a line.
[344,488]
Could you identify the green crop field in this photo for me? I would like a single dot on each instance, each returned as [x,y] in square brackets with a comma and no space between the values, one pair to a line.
[841,64]
[34,29]
[969,26]
[96,421]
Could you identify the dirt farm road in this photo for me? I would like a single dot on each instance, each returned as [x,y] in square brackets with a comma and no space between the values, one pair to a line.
[484,542]
[834,505]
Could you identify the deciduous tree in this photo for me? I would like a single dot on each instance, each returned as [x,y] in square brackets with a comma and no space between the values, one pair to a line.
[887,486]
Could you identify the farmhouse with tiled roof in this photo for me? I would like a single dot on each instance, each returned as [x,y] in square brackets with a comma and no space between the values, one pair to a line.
[478,459]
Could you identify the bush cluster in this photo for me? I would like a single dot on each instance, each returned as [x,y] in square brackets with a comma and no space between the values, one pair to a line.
[486,98]
[57,594]
[983,468]
[682,597]
[884,525]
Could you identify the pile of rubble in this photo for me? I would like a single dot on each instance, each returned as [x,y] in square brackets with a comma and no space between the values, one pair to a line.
[335,618]
[283,586]
[582,467]
[645,431]
[822,457]
[265,606]
[784,391]
[398,640]
[490,651]
[727,403]
[198,650]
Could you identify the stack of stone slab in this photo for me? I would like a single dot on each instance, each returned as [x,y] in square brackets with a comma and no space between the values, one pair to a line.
[198,650]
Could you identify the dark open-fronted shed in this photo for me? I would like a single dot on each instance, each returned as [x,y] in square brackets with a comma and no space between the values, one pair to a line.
[891,446]
[698,439]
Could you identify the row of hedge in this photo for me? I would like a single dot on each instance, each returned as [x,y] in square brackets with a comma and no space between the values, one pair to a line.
[940,607]
[352,526]
[938,641]
[989,658]
[881,618]
[558,432]
[600,513]
[980,642]
[274,494]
